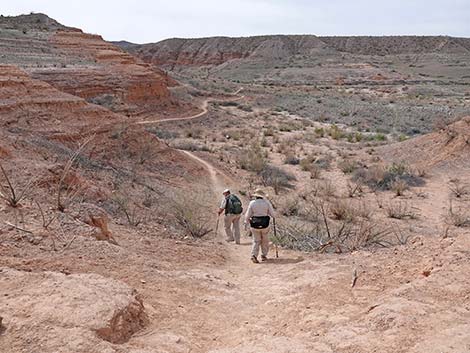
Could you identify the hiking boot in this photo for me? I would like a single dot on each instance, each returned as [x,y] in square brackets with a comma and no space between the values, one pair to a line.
[264,258]
[229,240]
[254,260]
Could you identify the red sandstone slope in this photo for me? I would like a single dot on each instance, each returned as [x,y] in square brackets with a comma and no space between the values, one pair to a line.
[85,65]
[41,128]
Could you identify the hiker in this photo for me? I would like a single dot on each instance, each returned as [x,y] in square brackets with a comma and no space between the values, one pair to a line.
[258,215]
[232,207]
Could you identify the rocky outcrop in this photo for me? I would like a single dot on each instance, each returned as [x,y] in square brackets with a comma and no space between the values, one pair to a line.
[84,65]
[35,105]
[67,313]
[394,45]
[217,50]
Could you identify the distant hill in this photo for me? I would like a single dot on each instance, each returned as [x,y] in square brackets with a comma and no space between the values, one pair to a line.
[217,50]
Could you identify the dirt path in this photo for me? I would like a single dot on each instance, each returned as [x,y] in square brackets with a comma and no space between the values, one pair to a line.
[244,306]
[204,107]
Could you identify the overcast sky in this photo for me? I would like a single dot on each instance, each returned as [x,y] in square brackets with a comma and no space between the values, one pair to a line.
[150,21]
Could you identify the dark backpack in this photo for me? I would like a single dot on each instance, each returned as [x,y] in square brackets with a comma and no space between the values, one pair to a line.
[234,205]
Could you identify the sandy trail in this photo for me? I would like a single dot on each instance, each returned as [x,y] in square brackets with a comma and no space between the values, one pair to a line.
[204,107]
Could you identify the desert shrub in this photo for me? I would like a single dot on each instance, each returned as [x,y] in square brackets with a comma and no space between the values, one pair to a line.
[327,236]
[320,132]
[253,159]
[269,131]
[291,206]
[188,213]
[164,134]
[276,178]
[132,211]
[322,188]
[227,104]
[354,189]
[291,159]
[335,132]
[399,186]
[458,189]
[400,210]
[324,162]
[195,133]
[290,126]
[315,172]
[341,210]
[459,217]
[348,166]
[189,145]
[382,178]
[245,108]
[307,162]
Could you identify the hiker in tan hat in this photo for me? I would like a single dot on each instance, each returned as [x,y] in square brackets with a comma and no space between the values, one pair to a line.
[258,215]
[232,207]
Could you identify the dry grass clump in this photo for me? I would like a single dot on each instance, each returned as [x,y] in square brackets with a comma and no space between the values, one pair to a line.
[459,217]
[400,210]
[188,213]
[348,166]
[458,189]
[253,159]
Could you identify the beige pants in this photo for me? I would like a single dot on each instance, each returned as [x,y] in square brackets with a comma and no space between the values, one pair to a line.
[232,227]
[260,238]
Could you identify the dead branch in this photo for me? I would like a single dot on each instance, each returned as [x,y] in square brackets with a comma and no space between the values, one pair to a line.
[68,166]
[354,278]
[18,228]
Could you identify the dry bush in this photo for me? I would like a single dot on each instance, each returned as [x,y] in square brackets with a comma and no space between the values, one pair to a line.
[188,212]
[348,166]
[342,210]
[354,189]
[67,190]
[290,206]
[133,213]
[253,159]
[276,178]
[324,189]
[379,177]
[459,217]
[458,189]
[325,235]
[400,210]
[11,194]
[291,159]
[189,145]
[399,186]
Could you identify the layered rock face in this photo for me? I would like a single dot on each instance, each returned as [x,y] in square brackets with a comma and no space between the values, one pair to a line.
[217,50]
[84,65]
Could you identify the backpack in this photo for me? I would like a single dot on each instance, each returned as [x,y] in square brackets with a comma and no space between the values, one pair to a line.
[234,205]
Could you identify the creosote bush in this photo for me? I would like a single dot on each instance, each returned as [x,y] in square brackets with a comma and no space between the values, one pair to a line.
[378,177]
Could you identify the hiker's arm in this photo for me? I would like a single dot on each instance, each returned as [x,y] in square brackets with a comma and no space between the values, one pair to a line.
[248,214]
[222,206]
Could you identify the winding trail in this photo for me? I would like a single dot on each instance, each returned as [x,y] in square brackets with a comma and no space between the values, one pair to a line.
[204,107]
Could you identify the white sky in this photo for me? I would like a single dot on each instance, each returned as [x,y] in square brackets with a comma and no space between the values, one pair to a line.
[150,21]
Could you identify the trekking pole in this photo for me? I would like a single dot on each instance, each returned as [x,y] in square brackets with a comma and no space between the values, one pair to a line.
[217,225]
[275,237]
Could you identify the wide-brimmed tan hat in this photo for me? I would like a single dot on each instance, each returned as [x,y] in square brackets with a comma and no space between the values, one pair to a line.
[259,193]
[226,191]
